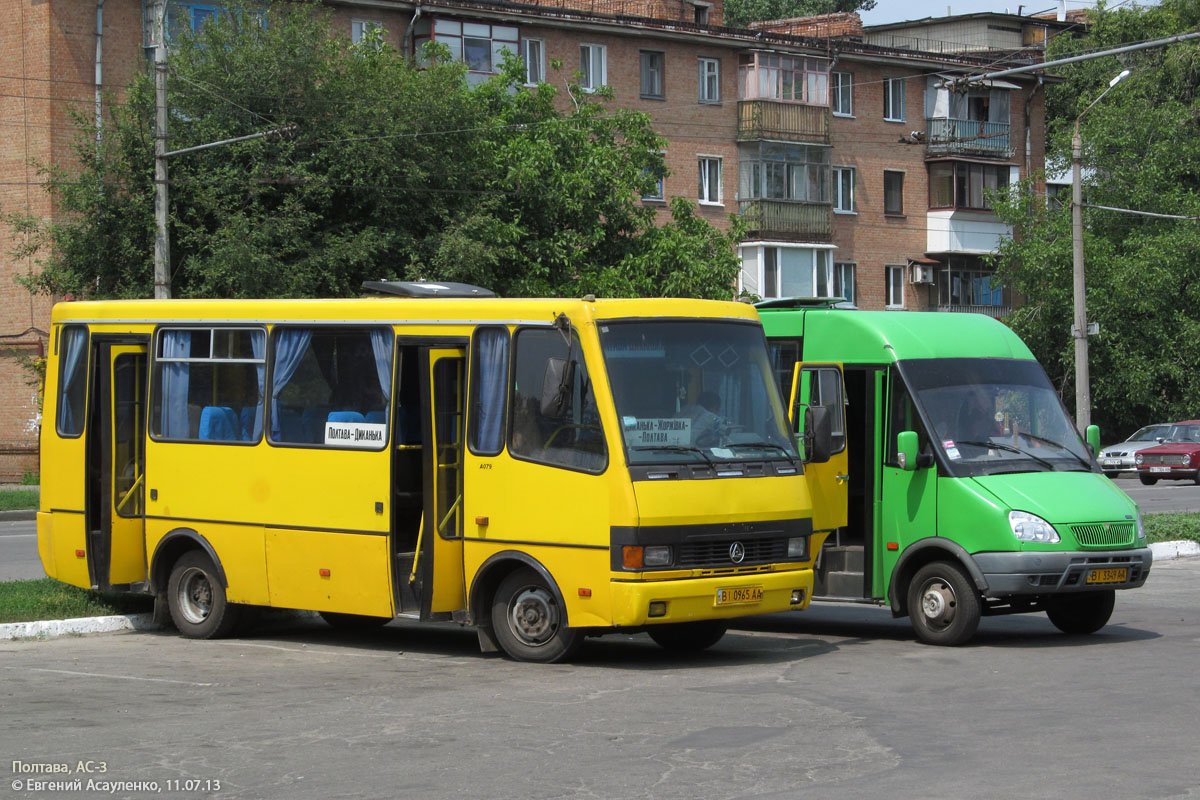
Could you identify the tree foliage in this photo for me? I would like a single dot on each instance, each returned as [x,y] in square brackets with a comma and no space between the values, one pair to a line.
[1141,151]
[390,169]
[740,13]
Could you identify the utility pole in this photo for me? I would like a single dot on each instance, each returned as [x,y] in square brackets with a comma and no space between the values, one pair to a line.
[162,241]
[1083,381]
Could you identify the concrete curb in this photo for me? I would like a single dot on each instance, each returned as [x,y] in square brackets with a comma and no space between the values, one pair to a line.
[17,516]
[49,628]
[1165,551]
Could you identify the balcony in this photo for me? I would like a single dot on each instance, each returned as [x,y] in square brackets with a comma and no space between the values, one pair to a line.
[794,220]
[787,122]
[955,137]
[997,312]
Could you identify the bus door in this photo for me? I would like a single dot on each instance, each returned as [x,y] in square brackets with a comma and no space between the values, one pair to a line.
[442,532]
[820,386]
[908,497]
[117,456]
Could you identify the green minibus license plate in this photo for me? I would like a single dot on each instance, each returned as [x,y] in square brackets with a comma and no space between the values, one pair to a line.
[739,595]
[1119,575]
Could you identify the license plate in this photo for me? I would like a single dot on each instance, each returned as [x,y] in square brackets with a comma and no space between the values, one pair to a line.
[739,595]
[1160,469]
[1113,575]
[1112,462]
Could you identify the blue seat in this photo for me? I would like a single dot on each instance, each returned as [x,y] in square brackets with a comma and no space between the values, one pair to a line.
[220,424]
[345,416]
[377,417]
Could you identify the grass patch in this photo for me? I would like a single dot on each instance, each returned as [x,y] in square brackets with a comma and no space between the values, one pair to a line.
[1172,527]
[19,499]
[46,598]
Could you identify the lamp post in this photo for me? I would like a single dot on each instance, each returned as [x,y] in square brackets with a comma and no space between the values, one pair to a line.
[1083,400]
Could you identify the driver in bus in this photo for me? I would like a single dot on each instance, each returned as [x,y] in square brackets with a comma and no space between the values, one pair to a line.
[708,426]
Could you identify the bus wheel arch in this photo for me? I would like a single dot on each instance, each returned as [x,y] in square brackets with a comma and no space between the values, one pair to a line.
[921,553]
[189,586]
[519,609]
[170,548]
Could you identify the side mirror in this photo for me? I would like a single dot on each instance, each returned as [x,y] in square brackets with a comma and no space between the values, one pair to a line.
[556,388]
[1093,439]
[818,435]
[906,450]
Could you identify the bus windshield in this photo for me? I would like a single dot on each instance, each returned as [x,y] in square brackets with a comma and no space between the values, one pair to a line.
[695,392]
[995,415]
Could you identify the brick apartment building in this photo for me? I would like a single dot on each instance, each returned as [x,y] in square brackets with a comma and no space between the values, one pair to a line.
[858,174]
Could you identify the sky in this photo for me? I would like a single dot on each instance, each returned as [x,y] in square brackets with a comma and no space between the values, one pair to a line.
[897,10]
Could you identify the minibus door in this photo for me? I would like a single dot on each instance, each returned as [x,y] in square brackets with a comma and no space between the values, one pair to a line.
[820,385]
[443,529]
[117,550]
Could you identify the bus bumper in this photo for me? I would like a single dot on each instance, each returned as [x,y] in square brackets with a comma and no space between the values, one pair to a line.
[1012,574]
[693,599]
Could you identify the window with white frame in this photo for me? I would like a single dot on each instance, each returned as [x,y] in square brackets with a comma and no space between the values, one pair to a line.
[793,79]
[783,271]
[481,46]
[893,99]
[593,64]
[843,94]
[361,29]
[652,62]
[895,286]
[710,180]
[710,80]
[533,53]
[843,280]
[843,189]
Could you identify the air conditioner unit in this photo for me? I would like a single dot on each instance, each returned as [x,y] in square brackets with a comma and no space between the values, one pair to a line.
[922,273]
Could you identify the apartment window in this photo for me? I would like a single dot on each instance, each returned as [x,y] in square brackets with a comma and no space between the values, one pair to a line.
[710,80]
[788,272]
[895,286]
[533,53]
[700,14]
[958,184]
[843,94]
[893,192]
[968,281]
[481,46]
[652,74]
[843,189]
[593,64]
[793,79]
[778,171]
[893,99]
[710,180]
[843,280]
[361,29]
[656,192]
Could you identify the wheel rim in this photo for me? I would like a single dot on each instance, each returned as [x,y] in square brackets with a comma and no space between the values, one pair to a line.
[533,616]
[938,603]
[195,595]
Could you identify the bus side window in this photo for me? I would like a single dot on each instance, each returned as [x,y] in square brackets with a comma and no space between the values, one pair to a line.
[208,384]
[489,381]
[72,381]
[903,416]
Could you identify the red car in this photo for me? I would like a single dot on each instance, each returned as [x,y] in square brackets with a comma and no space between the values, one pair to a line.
[1177,458]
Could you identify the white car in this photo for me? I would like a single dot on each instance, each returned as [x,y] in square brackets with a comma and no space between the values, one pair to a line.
[1118,458]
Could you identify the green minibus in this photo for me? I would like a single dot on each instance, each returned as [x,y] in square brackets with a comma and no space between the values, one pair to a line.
[970,492]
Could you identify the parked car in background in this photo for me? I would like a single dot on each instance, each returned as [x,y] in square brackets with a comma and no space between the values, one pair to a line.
[1177,458]
[1118,458]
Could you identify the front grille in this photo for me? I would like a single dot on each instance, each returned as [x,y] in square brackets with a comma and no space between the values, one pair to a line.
[1167,459]
[1104,534]
[715,553]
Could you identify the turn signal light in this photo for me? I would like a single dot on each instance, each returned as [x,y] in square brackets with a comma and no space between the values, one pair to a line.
[631,557]
[585,592]
[324,573]
[80,553]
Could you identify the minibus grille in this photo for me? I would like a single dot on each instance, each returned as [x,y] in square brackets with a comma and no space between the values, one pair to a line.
[715,553]
[1103,534]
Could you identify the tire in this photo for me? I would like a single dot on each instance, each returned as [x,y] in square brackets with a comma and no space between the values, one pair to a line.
[688,637]
[197,600]
[1147,480]
[529,623]
[1112,475]
[354,623]
[943,604]
[1083,612]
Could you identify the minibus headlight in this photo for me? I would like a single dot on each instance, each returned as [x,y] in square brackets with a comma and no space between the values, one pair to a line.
[1141,527]
[798,547]
[657,556]
[1031,528]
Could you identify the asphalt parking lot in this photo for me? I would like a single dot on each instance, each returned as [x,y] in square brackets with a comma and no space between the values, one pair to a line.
[837,702]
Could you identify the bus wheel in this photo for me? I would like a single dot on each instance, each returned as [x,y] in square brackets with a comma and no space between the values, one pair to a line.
[528,622]
[943,604]
[197,599]
[353,622]
[1085,612]
[688,637]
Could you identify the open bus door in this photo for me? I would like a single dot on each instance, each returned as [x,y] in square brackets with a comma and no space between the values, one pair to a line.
[819,386]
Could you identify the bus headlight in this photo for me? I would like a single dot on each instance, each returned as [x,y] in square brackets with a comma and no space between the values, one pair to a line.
[1031,528]
[1141,527]
[797,547]
[657,556]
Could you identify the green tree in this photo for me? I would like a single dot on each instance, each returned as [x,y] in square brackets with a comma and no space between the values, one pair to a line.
[740,13]
[1141,152]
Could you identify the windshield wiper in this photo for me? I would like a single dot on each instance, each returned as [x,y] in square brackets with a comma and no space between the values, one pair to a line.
[763,445]
[1059,445]
[677,448]
[1010,449]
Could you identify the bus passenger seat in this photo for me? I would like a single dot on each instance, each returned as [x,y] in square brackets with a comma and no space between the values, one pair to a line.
[345,416]
[219,423]
[377,417]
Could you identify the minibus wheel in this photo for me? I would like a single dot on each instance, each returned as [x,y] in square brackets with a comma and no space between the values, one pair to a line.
[196,599]
[528,621]
[1082,612]
[943,604]
[688,637]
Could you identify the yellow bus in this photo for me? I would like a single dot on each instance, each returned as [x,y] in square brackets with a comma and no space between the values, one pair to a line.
[541,470]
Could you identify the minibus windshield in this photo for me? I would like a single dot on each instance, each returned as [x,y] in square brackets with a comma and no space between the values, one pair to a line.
[995,415]
[695,391]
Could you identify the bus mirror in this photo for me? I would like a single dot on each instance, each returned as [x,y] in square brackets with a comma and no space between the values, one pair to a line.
[818,435]
[1093,439]
[906,450]
[556,388]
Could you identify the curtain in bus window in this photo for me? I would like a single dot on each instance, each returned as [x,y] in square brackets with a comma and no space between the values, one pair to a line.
[175,379]
[381,345]
[493,373]
[258,343]
[290,346]
[74,372]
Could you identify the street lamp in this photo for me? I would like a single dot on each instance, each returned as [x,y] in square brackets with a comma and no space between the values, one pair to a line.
[1083,400]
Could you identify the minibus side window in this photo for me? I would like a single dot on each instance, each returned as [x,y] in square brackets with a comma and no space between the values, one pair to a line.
[72,381]
[571,439]
[902,416]
[208,384]
[784,355]
[331,386]
[489,381]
